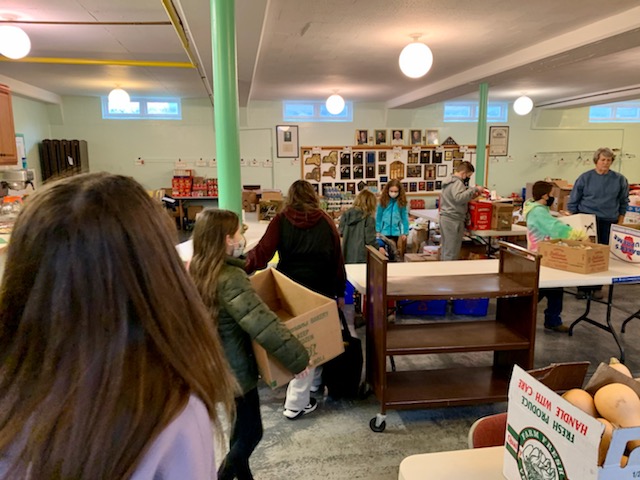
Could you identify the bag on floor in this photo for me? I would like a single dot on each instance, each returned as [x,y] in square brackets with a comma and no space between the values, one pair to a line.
[341,375]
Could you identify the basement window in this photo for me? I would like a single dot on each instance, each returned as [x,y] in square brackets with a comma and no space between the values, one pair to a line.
[141,108]
[314,111]
[620,112]
[468,111]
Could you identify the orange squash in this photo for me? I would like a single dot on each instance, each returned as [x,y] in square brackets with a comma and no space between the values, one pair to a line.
[621,367]
[605,441]
[581,399]
[619,404]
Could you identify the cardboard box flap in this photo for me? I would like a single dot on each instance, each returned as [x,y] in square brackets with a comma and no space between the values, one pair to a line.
[604,375]
[611,466]
[296,298]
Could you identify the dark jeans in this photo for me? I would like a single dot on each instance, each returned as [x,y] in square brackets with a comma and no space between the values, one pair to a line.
[247,433]
[604,230]
[554,305]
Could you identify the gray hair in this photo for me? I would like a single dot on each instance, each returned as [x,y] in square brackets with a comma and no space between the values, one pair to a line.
[605,152]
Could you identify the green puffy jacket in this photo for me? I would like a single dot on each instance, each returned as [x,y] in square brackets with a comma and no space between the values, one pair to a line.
[242,317]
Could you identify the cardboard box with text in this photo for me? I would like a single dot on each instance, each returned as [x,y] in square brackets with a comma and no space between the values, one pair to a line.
[549,438]
[502,215]
[624,243]
[311,317]
[574,256]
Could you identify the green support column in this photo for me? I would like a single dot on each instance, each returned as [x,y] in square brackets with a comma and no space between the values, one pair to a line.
[225,101]
[481,143]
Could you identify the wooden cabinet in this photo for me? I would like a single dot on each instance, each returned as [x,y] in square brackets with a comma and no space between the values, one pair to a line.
[8,150]
[511,336]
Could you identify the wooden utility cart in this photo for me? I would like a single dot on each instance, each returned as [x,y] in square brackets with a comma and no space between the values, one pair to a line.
[511,336]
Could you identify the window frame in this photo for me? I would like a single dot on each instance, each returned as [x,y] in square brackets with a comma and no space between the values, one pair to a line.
[143,115]
[614,107]
[319,107]
[474,108]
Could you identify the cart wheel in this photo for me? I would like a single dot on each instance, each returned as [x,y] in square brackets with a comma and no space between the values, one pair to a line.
[378,429]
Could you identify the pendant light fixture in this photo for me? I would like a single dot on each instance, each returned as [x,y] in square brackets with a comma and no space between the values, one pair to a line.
[14,42]
[118,99]
[523,105]
[415,59]
[335,104]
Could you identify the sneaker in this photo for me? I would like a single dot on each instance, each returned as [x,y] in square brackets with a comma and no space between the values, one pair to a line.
[315,388]
[558,328]
[295,414]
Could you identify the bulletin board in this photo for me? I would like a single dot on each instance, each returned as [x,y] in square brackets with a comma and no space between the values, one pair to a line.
[420,169]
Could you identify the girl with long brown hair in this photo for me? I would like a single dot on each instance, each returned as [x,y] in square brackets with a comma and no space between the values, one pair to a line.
[110,367]
[392,216]
[242,317]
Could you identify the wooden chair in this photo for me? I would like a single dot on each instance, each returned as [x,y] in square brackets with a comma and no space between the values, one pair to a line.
[490,431]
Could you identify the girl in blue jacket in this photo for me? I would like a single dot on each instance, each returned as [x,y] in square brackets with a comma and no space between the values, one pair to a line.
[392,216]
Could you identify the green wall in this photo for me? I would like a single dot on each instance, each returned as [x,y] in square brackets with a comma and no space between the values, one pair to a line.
[31,119]
[544,143]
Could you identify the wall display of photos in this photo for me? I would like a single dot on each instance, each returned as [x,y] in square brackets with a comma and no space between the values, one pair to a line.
[420,169]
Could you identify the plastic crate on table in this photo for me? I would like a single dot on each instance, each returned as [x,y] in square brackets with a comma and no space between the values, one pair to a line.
[475,306]
[422,307]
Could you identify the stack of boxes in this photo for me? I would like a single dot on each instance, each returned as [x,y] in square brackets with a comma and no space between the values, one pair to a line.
[184,184]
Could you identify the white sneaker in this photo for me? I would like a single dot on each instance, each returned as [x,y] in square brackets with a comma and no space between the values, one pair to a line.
[295,414]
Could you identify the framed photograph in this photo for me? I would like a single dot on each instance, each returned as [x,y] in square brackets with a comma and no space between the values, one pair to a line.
[382,156]
[351,187]
[430,172]
[382,169]
[425,157]
[287,141]
[442,171]
[438,184]
[415,137]
[413,186]
[380,136]
[397,137]
[498,141]
[433,137]
[362,137]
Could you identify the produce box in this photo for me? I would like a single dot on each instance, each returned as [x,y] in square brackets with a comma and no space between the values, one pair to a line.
[574,256]
[633,215]
[549,438]
[624,243]
[268,209]
[479,215]
[560,192]
[311,317]
[501,215]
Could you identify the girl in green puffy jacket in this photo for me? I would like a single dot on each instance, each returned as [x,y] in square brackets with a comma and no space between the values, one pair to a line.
[241,317]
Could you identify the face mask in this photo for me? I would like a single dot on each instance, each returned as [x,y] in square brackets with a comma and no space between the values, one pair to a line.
[466,182]
[393,194]
[238,248]
[550,201]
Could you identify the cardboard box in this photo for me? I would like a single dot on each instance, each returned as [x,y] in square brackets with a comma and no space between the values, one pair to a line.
[479,215]
[311,317]
[549,436]
[561,191]
[573,256]
[473,251]
[633,215]
[268,195]
[582,221]
[624,242]
[501,215]
[267,210]
[421,257]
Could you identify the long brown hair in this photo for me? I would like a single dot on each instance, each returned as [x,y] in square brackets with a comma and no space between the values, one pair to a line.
[302,196]
[401,198]
[366,202]
[103,335]
[209,252]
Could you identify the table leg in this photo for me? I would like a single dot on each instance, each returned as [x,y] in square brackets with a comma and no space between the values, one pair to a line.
[608,327]
[628,319]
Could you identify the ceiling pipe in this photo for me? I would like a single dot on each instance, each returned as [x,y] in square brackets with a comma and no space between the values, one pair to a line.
[187,41]
[93,61]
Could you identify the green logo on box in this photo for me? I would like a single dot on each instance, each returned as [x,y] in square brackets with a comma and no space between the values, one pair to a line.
[537,458]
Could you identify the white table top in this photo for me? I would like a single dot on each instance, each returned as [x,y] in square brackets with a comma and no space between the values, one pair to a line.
[619,272]
[430,214]
[475,463]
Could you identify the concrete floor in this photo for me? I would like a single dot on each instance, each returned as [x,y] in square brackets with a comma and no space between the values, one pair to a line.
[335,441]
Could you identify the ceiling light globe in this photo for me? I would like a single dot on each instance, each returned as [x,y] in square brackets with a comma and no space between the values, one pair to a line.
[415,60]
[14,42]
[118,98]
[523,105]
[335,104]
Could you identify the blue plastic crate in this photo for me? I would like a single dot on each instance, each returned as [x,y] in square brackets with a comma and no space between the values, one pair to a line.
[475,306]
[422,307]
[348,294]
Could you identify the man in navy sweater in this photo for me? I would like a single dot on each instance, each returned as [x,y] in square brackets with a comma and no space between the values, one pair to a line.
[603,193]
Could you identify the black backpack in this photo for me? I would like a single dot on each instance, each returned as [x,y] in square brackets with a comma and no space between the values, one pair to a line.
[341,375]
